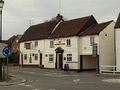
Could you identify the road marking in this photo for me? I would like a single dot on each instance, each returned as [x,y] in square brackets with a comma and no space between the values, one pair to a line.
[21,84]
[35,89]
[29,86]
[76,80]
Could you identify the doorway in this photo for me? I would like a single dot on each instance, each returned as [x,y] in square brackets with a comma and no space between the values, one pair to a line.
[21,59]
[59,58]
[40,59]
[59,61]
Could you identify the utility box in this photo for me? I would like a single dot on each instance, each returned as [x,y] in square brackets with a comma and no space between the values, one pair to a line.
[66,67]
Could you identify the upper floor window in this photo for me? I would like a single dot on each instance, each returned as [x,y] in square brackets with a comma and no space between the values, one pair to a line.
[68,42]
[36,43]
[27,45]
[51,44]
[25,56]
[92,40]
[51,57]
[69,57]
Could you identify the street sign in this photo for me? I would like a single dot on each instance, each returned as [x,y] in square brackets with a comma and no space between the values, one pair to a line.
[7,51]
[2,46]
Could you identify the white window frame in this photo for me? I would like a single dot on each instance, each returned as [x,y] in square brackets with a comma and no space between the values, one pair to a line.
[26,45]
[69,57]
[51,44]
[25,56]
[68,42]
[36,43]
[92,40]
[36,55]
[51,57]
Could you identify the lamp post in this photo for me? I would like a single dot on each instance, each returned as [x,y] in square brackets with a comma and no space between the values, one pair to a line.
[1,66]
[1,7]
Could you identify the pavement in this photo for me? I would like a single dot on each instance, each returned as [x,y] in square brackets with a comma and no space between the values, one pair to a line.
[13,81]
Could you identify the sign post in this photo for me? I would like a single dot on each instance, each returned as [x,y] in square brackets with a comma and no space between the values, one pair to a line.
[95,55]
[7,52]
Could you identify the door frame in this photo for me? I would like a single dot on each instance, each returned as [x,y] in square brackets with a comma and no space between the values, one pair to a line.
[21,59]
[81,62]
[59,61]
[59,51]
[40,58]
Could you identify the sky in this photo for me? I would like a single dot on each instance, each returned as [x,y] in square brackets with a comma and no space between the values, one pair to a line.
[19,15]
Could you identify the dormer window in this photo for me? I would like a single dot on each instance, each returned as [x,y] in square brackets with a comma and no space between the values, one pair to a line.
[68,42]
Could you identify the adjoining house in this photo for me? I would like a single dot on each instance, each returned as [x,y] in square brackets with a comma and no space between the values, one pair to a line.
[101,35]
[117,42]
[56,43]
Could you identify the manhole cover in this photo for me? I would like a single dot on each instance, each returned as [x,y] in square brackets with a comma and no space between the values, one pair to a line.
[111,80]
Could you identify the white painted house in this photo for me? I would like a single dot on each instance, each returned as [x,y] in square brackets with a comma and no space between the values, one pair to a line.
[56,43]
[103,36]
[117,42]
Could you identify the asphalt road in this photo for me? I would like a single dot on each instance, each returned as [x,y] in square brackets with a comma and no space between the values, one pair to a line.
[44,79]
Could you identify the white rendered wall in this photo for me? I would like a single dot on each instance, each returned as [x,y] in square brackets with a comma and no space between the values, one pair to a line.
[73,49]
[107,48]
[117,40]
[33,50]
[85,47]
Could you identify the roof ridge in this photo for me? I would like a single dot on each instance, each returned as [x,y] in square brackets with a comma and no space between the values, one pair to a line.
[79,18]
[117,25]
[106,22]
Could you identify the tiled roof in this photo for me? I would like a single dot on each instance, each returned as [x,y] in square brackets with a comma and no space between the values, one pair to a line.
[117,25]
[73,27]
[40,31]
[95,29]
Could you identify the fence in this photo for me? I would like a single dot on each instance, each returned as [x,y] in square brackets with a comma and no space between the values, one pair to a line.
[110,69]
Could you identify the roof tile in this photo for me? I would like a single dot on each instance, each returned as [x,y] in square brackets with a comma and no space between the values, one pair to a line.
[95,29]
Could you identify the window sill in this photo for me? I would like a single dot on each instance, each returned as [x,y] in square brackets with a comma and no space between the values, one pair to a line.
[51,62]
[51,47]
[68,46]
[71,62]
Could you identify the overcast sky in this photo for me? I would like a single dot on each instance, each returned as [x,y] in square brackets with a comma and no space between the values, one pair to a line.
[18,15]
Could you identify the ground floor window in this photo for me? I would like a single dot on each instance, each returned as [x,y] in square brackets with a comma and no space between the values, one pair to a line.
[69,57]
[51,57]
[25,56]
[36,56]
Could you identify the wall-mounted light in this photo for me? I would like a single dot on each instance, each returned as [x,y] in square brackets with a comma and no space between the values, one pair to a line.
[39,51]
